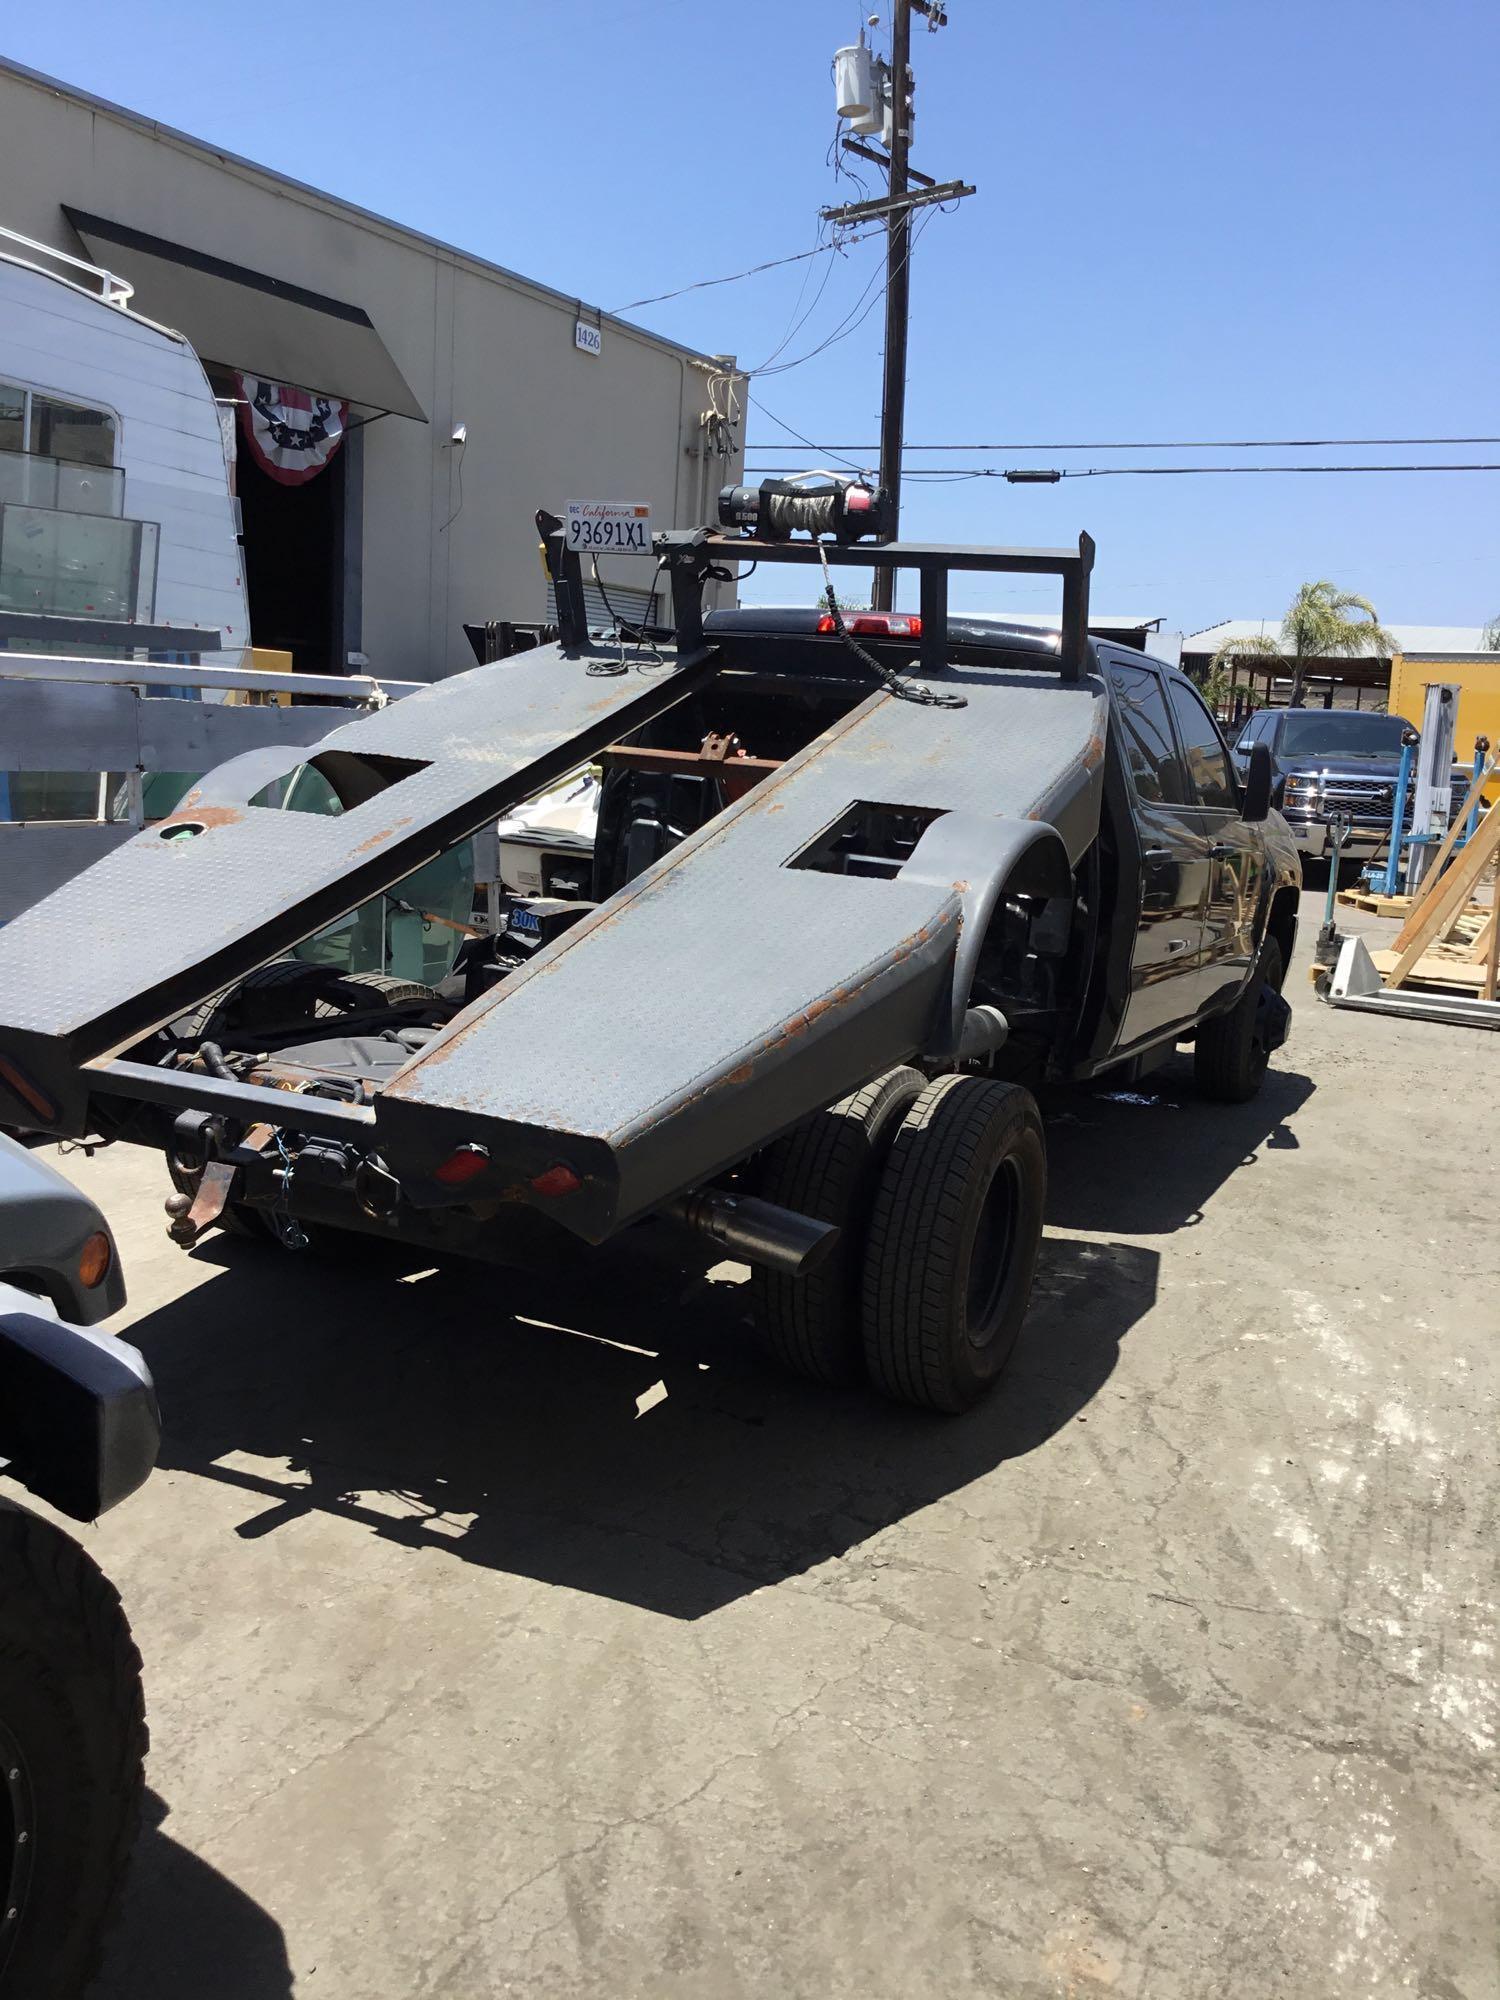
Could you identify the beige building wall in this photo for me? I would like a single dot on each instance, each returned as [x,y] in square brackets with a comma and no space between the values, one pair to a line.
[478,346]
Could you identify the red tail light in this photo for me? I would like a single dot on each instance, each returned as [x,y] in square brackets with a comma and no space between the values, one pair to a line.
[558,1180]
[462,1165]
[875,624]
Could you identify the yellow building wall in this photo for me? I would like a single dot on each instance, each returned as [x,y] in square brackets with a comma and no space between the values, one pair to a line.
[1477,677]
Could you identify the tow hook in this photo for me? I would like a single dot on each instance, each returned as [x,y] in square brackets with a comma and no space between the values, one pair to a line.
[376,1188]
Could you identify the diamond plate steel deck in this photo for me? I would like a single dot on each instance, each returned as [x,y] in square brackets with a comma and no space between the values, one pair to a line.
[722,995]
[164,920]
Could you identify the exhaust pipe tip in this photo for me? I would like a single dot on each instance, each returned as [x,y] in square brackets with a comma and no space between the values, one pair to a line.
[756,1231]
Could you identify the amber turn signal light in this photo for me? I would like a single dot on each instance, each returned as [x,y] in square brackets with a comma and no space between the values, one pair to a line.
[94,1260]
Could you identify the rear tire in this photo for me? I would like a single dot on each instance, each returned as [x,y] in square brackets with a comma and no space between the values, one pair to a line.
[953,1242]
[827,1168]
[1229,1053]
[382,988]
[73,1734]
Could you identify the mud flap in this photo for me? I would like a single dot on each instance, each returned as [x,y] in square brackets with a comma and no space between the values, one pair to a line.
[1273,1019]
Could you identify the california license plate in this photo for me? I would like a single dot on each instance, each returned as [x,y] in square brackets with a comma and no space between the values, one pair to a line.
[604,527]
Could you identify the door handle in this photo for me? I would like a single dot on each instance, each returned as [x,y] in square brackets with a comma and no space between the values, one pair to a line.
[1176,945]
[1223,850]
[1157,854]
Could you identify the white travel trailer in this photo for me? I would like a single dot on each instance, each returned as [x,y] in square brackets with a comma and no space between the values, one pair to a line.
[125,664]
[115,508]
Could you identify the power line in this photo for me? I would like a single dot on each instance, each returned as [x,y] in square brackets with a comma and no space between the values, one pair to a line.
[868,299]
[1029,475]
[1163,444]
[733,278]
[782,422]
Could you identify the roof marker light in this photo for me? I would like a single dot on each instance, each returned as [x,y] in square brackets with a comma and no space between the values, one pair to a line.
[876,624]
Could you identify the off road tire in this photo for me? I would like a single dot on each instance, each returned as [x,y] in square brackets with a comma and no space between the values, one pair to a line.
[827,1168]
[1229,1052]
[73,1732]
[953,1241]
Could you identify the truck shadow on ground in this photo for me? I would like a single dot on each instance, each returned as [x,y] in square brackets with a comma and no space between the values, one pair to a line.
[1147,1158]
[613,1429]
[186,1931]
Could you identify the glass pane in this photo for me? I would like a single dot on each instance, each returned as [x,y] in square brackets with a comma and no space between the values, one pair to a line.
[1207,759]
[54,795]
[17,472]
[1333,732]
[409,930]
[76,565]
[1146,737]
[12,418]
[68,430]
[88,489]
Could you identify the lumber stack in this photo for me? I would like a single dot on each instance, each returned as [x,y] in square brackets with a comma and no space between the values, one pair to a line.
[1449,937]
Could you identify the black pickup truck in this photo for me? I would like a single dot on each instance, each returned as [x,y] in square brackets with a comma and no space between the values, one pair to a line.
[860,885]
[1333,761]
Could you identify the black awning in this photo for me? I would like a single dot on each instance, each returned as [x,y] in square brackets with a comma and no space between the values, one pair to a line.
[251,321]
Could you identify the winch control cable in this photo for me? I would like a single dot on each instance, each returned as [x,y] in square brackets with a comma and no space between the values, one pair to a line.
[897,684]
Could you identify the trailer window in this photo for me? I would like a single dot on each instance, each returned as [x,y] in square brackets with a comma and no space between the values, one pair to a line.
[48,427]
[71,431]
[1146,736]
[12,418]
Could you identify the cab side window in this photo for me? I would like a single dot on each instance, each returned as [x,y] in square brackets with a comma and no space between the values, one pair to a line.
[1207,760]
[1146,740]
[1253,730]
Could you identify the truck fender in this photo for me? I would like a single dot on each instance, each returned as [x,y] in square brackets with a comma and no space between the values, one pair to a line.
[236,781]
[984,860]
[79,1424]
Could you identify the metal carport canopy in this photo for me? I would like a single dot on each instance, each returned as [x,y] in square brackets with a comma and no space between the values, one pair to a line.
[250,320]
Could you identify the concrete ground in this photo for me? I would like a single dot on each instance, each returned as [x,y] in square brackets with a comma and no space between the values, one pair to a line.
[510,1638]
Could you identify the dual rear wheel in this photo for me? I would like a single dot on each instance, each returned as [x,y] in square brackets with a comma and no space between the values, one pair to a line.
[937,1190]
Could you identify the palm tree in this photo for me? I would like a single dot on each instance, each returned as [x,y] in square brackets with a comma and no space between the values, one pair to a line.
[1317,626]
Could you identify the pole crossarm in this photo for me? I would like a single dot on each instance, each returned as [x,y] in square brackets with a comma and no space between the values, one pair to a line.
[869,211]
[883,160]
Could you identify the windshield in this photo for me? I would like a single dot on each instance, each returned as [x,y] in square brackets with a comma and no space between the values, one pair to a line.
[1329,734]
[412,930]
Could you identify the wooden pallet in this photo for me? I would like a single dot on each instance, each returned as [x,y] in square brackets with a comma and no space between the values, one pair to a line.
[1438,967]
[1377,905]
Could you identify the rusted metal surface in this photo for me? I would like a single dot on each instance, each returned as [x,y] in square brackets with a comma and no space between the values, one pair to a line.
[720,757]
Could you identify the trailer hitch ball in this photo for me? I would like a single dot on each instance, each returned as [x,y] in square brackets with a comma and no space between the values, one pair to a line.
[178,1227]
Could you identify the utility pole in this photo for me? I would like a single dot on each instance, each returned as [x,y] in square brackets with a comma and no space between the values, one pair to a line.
[897,291]
[896,208]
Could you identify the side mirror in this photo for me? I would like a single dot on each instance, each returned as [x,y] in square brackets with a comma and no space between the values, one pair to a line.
[1257,798]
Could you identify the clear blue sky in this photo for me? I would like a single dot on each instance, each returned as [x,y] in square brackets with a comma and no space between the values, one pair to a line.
[1195,219]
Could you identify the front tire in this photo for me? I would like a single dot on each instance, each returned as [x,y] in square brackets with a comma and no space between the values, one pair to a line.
[953,1242]
[1230,1055]
[72,1741]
